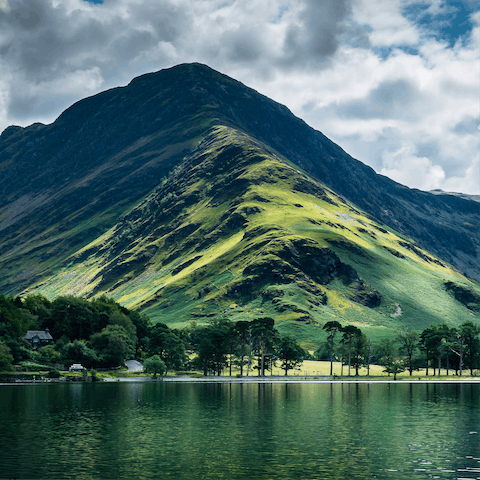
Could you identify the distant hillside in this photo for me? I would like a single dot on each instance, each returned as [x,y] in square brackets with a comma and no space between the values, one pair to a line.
[465,196]
[188,195]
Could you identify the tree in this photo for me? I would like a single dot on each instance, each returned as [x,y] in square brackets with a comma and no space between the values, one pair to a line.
[142,324]
[6,358]
[71,316]
[434,340]
[408,340]
[113,345]
[78,352]
[264,334]
[211,345]
[395,367]
[349,332]
[332,327]
[427,344]
[359,351]
[471,333]
[168,345]
[242,334]
[155,365]
[290,353]
[11,320]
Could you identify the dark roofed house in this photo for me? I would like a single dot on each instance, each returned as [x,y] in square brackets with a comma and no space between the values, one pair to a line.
[38,337]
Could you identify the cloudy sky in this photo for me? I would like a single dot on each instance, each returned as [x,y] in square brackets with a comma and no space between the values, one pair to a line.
[396,83]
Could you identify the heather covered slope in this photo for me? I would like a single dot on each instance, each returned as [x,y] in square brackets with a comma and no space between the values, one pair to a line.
[186,194]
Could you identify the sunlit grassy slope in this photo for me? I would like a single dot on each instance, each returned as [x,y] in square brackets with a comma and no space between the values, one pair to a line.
[237,231]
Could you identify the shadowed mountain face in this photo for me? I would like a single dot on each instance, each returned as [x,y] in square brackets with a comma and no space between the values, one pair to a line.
[145,179]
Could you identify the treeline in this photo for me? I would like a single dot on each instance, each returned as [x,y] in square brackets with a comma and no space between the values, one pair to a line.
[102,333]
[435,348]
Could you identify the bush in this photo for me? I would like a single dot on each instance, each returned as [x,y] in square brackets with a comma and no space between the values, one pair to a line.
[155,365]
[54,373]
[32,366]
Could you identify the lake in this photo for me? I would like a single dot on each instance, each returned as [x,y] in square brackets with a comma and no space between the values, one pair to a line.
[197,430]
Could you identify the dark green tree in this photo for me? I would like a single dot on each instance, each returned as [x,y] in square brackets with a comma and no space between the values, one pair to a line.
[6,358]
[11,320]
[113,345]
[427,344]
[395,367]
[290,353]
[408,340]
[435,339]
[332,327]
[78,352]
[349,333]
[386,352]
[264,334]
[155,365]
[359,351]
[470,332]
[168,345]
[242,335]
[211,346]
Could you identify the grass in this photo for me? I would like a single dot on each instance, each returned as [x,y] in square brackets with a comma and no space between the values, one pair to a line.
[310,369]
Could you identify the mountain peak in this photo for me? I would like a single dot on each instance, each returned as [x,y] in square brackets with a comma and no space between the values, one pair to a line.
[187,184]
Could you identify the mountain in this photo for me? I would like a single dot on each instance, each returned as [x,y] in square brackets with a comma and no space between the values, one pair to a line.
[187,195]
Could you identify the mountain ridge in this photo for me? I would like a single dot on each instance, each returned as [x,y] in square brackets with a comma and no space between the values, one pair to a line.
[74,190]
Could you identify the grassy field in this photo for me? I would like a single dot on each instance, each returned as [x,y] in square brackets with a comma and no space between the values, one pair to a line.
[310,369]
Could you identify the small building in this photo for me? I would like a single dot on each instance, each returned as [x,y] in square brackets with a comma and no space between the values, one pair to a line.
[77,367]
[38,338]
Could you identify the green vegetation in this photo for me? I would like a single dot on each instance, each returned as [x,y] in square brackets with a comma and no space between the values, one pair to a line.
[97,333]
[101,333]
[234,231]
[155,365]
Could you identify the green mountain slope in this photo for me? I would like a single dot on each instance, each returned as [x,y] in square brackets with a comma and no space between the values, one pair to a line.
[235,231]
[188,195]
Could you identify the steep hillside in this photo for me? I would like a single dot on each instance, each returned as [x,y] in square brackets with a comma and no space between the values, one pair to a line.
[234,230]
[187,194]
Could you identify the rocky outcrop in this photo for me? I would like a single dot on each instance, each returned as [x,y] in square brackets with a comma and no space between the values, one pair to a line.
[464,295]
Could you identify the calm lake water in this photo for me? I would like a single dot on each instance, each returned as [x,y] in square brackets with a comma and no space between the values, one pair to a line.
[240,431]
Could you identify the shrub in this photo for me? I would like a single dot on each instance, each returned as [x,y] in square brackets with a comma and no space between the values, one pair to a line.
[154,365]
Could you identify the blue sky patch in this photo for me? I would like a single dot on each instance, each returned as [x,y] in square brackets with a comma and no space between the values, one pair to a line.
[451,25]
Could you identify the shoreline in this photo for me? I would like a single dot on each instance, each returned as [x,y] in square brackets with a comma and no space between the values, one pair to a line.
[254,380]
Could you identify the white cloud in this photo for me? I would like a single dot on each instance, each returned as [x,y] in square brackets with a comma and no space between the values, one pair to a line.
[388,27]
[404,166]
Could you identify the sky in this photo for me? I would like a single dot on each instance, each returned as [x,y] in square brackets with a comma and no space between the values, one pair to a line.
[396,83]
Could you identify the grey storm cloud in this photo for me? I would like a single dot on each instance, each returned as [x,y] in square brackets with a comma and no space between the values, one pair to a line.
[40,41]
[317,34]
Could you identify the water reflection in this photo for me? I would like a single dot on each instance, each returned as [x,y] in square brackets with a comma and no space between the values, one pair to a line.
[190,430]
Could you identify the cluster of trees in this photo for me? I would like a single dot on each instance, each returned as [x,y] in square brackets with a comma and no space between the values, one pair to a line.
[222,344]
[97,333]
[102,333]
[437,347]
